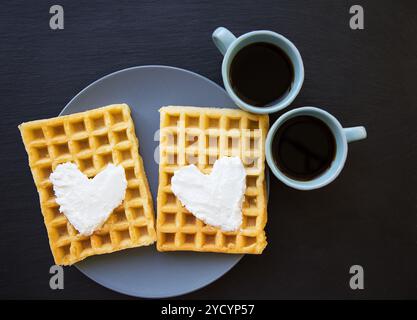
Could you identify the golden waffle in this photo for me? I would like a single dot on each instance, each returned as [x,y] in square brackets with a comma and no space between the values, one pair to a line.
[91,139]
[200,136]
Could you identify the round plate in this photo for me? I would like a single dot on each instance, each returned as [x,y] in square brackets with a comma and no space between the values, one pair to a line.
[143,271]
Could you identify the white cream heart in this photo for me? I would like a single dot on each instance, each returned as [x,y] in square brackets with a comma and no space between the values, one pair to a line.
[87,203]
[215,198]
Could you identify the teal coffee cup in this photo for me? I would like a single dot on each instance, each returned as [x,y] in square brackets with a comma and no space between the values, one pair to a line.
[230,46]
[342,136]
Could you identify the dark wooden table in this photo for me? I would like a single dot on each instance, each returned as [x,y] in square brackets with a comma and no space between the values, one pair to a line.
[368,216]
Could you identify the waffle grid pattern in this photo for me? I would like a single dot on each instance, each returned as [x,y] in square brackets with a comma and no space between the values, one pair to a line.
[192,135]
[91,139]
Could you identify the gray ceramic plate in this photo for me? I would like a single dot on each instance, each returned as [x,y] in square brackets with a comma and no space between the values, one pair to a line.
[145,272]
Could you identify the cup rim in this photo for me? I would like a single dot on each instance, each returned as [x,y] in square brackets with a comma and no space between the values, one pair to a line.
[278,106]
[296,184]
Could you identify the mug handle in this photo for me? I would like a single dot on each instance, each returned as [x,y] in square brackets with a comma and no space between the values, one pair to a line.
[222,38]
[355,133]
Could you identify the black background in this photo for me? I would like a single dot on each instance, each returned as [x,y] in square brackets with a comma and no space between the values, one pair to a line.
[368,216]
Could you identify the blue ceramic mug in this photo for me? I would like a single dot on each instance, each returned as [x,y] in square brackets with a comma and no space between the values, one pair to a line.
[229,46]
[341,135]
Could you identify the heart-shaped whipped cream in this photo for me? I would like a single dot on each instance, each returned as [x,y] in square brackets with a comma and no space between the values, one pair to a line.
[215,198]
[87,203]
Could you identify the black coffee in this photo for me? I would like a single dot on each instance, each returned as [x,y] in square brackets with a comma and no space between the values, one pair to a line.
[260,74]
[303,148]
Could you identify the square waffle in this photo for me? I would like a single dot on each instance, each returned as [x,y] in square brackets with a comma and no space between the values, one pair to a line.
[192,135]
[91,139]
